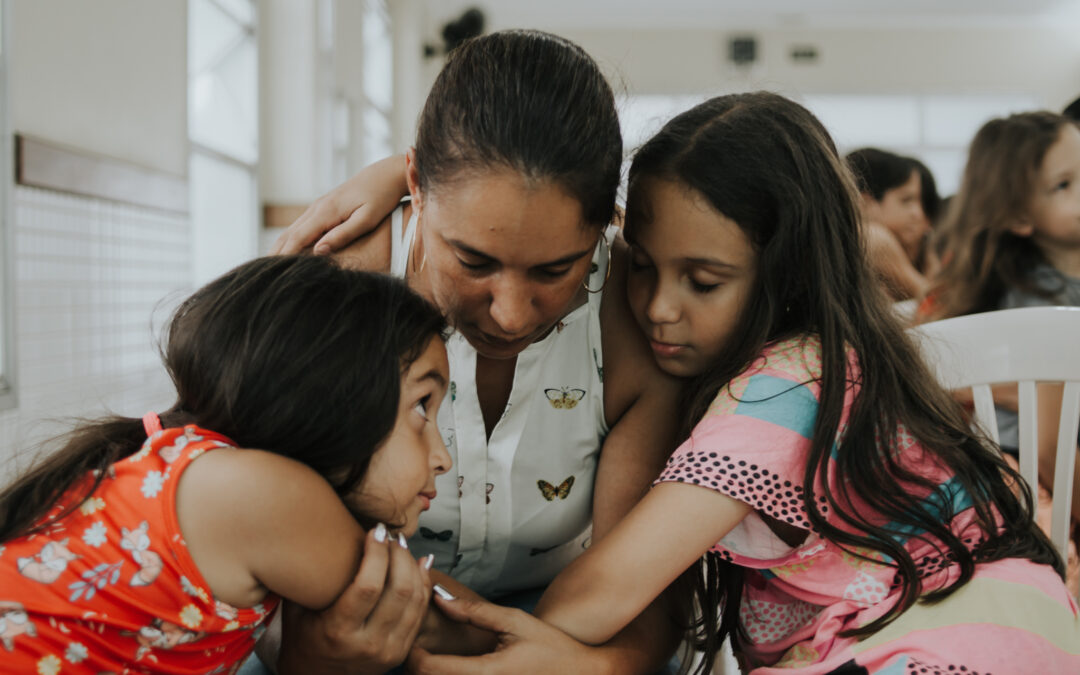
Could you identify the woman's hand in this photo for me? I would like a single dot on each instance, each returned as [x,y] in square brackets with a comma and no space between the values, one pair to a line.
[373,623]
[525,645]
[348,212]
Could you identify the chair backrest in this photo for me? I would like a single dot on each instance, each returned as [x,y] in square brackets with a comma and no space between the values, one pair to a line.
[1026,345]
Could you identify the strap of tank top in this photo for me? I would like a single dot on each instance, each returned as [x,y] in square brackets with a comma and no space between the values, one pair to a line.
[151,423]
[401,244]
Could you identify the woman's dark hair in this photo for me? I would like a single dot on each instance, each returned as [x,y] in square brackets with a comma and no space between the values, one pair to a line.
[292,355]
[769,165]
[527,101]
[982,257]
[878,171]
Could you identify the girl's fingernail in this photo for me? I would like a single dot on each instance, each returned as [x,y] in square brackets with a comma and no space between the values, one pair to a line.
[380,533]
[322,249]
[443,593]
[401,540]
[428,560]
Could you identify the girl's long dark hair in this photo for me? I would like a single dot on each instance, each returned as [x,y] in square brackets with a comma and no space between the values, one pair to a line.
[292,355]
[769,165]
[982,257]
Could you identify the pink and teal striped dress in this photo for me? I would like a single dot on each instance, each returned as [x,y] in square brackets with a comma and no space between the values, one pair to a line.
[1014,616]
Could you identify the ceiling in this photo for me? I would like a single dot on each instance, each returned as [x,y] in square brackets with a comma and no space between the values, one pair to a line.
[720,14]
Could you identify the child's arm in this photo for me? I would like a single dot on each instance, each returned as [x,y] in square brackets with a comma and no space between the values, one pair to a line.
[611,583]
[256,522]
[349,211]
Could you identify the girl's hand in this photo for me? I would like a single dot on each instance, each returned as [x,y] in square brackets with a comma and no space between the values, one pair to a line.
[525,644]
[441,634]
[371,626]
[348,212]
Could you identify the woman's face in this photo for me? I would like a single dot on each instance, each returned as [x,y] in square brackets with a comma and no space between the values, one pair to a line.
[900,210]
[503,256]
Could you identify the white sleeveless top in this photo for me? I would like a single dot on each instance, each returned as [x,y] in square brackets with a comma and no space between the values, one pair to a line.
[516,509]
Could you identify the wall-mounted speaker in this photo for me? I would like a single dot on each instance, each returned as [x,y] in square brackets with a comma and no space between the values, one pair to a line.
[742,50]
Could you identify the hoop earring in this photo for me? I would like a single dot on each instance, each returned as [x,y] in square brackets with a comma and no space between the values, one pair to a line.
[607,272]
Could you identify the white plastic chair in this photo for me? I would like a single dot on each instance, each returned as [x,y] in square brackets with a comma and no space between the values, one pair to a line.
[1026,346]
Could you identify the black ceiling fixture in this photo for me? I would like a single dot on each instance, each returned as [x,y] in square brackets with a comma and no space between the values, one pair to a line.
[468,25]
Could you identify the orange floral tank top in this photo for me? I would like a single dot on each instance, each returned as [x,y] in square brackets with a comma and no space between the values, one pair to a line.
[111,587]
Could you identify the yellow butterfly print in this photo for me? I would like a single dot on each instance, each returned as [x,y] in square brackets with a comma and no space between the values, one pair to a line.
[564,398]
[550,492]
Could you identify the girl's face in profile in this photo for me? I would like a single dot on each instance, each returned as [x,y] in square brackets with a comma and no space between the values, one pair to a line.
[900,210]
[691,270]
[1055,206]
[400,480]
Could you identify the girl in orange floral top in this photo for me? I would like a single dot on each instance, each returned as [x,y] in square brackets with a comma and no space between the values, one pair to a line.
[307,393]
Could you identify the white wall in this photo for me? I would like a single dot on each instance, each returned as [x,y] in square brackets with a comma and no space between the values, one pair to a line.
[1042,62]
[108,76]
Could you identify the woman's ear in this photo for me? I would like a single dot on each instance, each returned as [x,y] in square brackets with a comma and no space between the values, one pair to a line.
[412,179]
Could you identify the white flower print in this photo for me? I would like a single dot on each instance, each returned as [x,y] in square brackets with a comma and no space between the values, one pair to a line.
[95,534]
[76,652]
[49,665]
[91,505]
[193,590]
[191,617]
[152,484]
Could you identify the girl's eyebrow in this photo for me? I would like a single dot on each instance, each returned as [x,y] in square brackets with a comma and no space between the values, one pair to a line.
[711,262]
[433,375]
[572,257]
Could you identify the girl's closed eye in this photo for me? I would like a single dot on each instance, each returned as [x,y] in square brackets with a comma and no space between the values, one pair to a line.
[704,287]
[1062,185]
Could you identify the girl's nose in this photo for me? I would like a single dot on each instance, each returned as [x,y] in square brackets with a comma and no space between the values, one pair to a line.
[440,457]
[662,307]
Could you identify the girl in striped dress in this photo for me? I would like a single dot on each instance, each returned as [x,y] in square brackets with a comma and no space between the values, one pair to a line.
[851,520]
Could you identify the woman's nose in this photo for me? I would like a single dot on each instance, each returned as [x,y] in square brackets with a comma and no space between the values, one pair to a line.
[512,307]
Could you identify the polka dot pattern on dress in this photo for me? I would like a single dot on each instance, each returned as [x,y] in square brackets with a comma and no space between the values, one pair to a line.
[916,667]
[762,489]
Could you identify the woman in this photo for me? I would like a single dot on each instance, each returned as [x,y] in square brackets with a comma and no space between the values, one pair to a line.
[557,416]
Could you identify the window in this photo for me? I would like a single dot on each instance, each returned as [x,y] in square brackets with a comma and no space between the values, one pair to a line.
[7,238]
[223,126]
[355,107]
[935,128]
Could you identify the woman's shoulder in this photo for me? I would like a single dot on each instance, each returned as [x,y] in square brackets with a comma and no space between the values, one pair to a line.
[629,367]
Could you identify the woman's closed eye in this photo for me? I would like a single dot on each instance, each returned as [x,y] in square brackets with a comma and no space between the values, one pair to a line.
[475,265]
[554,272]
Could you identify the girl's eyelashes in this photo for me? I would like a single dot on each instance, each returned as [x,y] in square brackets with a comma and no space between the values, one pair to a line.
[1063,185]
[421,407]
[703,288]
